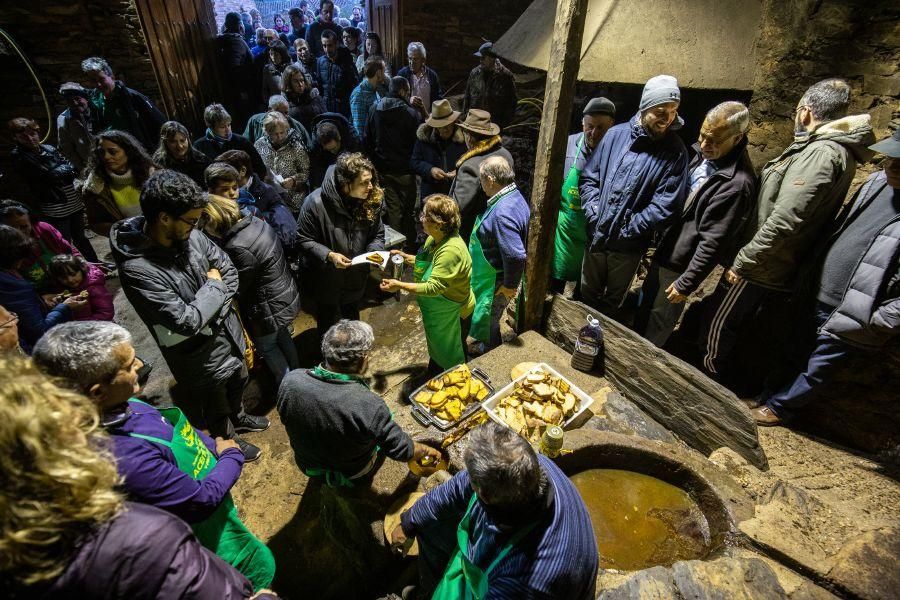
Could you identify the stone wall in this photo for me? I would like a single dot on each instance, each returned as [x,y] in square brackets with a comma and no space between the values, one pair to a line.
[453,29]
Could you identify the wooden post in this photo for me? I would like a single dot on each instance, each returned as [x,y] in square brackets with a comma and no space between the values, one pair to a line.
[562,74]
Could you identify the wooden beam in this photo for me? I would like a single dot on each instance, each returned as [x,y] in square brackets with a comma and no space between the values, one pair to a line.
[703,414]
[562,74]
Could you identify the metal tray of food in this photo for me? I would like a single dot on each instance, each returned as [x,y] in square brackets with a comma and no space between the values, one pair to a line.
[541,389]
[474,385]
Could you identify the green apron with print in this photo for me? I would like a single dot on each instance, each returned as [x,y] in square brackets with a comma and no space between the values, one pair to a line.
[440,317]
[484,280]
[463,579]
[222,532]
[571,227]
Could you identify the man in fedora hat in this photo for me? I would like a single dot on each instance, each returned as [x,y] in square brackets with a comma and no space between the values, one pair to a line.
[76,125]
[482,138]
[439,144]
[857,291]
[568,248]
[491,87]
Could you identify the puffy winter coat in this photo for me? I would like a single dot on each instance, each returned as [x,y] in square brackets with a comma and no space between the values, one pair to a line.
[289,160]
[267,294]
[632,185]
[326,225]
[466,186]
[431,151]
[46,172]
[305,109]
[800,193]
[711,221]
[391,135]
[100,305]
[869,312]
[337,80]
[188,314]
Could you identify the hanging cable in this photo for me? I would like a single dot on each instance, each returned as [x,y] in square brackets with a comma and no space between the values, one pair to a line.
[34,76]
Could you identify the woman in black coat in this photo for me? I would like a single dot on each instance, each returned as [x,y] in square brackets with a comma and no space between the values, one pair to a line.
[267,295]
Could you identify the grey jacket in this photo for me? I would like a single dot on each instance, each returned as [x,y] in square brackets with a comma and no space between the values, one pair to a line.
[800,192]
[75,140]
[466,187]
[869,312]
[188,314]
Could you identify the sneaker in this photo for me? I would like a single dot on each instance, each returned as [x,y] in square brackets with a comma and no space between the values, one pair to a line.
[250,451]
[250,423]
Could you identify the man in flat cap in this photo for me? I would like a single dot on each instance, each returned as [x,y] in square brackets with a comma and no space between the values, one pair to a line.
[632,185]
[491,87]
[76,125]
[568,249]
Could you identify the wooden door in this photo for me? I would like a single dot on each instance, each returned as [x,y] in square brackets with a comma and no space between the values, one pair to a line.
[181,41]
[384,19]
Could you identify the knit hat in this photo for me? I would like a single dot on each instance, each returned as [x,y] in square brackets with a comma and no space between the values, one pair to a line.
[600,106]
[659,90]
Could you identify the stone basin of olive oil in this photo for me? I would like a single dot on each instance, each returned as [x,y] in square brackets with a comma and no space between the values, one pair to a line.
[640,521]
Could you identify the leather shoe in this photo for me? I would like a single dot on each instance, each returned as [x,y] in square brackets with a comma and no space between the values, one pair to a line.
[752,403]
[765,416]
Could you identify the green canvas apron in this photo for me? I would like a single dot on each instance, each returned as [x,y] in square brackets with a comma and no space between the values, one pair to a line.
[462,579]
[222,532]
[571,234]
[484,280]
[440,317]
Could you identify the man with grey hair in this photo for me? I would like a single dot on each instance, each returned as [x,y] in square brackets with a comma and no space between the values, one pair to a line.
[512,525]
[498,247]
[277,103]
[424,83]
[338,428]
[632,186]
[800,193]
[120,107]
[721,197]
[162,459]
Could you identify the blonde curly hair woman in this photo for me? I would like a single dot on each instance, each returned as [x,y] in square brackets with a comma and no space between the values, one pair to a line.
[64,529]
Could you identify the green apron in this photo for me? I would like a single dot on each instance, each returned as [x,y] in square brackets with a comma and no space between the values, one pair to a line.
[440,317]
[463,580]
[571,228]
[222,532]
[484,280]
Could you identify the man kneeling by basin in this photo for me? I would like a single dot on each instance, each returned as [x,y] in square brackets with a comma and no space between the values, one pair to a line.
[511,525]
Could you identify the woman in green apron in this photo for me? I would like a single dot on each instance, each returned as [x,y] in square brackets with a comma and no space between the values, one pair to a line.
[441,274]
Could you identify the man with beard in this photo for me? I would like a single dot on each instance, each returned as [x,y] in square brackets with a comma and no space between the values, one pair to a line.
[325,22]
[633,184]
[336,74]
[182,286]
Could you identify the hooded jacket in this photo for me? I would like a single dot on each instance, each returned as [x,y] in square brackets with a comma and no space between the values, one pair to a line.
[391,135]
[431,151]
[632,185]
[466,186]
[100,305]
[188,314]
[326,225]
[267,294]
[711,220]
[800,192]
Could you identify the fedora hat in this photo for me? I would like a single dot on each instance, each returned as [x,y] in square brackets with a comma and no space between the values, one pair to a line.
[442,114]
[889,146]
[479,121]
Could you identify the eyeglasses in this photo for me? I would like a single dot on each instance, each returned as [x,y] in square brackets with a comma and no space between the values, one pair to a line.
[198,223]
[12,320]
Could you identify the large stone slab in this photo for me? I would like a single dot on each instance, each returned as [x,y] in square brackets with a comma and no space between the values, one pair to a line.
[702,413]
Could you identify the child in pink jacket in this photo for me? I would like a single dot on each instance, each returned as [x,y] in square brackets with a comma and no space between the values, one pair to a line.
[75,275]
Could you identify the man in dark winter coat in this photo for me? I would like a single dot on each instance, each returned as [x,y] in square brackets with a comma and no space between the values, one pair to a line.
[634,184]
[339,221]
[338,428]
[439,144]
[857,292]
[332,135]
[121,107]
[336,74]
[390,137]
[482,138]
[324,23]
[491,87]
[800,193]
[182,286]
[220,138]
[236,62]
[721,197]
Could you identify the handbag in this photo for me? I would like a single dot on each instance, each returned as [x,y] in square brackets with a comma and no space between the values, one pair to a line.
[249,346]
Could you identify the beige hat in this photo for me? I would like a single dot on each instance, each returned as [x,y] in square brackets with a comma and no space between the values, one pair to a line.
[442,114]
[479,121]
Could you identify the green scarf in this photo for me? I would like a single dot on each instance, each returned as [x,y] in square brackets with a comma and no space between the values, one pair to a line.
[323,373]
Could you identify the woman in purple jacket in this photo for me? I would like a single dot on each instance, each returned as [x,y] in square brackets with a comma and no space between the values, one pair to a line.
[163,460]
[82,540]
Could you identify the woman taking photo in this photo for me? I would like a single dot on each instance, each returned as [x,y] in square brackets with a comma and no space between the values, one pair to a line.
[176,152]
[441,274]
[268,297]
[284,154]
[118,168]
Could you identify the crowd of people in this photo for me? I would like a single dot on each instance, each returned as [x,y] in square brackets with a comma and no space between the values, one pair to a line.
[214,238]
